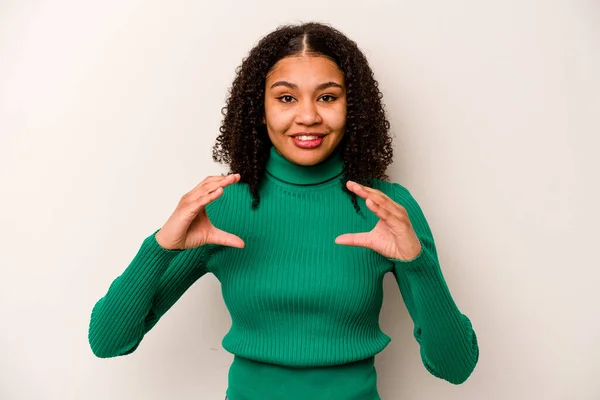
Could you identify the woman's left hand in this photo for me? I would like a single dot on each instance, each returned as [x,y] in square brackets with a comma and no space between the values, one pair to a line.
[393,236]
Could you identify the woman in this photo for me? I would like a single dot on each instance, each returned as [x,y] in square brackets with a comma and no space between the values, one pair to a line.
[300,235]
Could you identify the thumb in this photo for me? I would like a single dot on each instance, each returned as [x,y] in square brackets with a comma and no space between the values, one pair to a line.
[220,237]
[353,239]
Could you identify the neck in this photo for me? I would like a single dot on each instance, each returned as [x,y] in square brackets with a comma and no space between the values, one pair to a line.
[284,170]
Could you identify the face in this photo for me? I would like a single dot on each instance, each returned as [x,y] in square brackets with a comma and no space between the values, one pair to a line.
[305,108]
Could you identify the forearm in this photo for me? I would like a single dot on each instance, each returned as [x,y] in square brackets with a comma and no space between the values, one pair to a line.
[448,342]
[118,320]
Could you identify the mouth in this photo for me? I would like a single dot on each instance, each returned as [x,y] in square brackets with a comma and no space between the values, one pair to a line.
[308,140]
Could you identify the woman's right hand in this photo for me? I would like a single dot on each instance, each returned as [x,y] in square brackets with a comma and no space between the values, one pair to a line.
[189,225]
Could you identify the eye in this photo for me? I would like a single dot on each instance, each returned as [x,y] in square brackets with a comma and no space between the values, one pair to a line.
[328,98]
[285,98]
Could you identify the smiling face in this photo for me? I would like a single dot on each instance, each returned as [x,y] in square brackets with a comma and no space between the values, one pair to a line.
[305,108]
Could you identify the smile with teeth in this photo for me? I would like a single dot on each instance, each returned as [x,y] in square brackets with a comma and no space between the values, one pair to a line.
[308,141]
[307,137]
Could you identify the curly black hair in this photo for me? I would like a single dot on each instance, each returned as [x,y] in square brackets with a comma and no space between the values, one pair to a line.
[243,143]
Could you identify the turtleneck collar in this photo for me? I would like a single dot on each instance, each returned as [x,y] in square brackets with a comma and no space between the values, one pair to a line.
[282,169]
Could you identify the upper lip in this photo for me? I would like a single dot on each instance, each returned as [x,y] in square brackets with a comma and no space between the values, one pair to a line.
[308,134]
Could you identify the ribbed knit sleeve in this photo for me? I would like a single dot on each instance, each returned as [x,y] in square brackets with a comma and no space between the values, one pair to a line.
[154,280]
[448,343]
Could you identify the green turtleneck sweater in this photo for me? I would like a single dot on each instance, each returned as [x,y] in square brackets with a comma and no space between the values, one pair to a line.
[304,310]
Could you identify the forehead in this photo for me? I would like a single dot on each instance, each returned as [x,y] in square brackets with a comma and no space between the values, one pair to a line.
[306,69]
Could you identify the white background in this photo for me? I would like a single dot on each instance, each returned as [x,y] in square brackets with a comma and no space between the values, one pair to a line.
[109,110]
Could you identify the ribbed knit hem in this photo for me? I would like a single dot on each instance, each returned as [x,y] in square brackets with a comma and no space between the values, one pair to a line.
[249,379]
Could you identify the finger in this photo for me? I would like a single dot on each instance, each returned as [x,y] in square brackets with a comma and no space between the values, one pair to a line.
[212,186]
[357,189]
[207,198]
[211,192]
[383,200]
[215,178]
[390,217]
[367,192]
[209,187]
[230,180]
[385,203]
[207,180]
[189,210]
[220,237]
[353,239]
[377,197]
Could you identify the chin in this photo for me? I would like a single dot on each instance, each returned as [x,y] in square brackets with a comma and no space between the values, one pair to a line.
[307,157]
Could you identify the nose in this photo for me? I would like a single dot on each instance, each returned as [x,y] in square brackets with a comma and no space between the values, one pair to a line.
[308,113]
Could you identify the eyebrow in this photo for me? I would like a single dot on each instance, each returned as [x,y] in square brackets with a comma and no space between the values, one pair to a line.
[294,86]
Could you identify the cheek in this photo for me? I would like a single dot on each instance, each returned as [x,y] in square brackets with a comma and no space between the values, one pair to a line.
[277,118]
[276,122]
[337,118]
